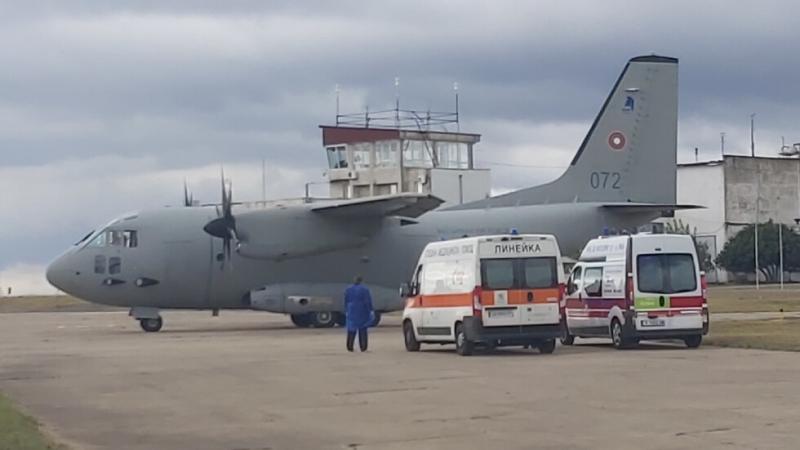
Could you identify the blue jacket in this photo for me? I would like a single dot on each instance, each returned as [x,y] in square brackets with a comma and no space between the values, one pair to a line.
[357,307]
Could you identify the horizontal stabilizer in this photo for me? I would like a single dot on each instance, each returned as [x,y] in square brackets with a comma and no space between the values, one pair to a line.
[633,208]
[409,205]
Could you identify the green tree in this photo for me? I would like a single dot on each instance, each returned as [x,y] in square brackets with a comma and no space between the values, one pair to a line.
[738,255]
[678,227]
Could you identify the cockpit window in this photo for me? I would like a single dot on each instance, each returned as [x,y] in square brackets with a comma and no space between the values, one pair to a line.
[116,238]
[83,239]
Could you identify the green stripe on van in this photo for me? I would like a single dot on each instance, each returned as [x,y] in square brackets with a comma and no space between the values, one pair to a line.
[644,303]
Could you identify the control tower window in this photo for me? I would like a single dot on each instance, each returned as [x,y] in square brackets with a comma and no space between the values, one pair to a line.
[337,157]
[362,155]
[417,154]
[386,153]
[452,155]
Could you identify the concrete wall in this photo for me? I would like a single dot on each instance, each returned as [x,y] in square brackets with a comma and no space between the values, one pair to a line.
[779,191]
[704,185]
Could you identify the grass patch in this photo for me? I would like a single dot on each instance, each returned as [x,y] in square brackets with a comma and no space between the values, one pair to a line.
[773,334]
[20,432]
[748,299]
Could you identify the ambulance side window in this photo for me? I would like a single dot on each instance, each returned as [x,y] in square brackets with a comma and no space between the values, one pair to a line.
[593,281]
[574,281]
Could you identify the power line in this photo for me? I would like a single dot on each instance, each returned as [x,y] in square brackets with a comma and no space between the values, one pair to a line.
[492,163]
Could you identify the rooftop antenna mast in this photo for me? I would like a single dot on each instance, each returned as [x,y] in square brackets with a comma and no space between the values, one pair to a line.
[397,102]
[722,143]
[337,104]
[455,89]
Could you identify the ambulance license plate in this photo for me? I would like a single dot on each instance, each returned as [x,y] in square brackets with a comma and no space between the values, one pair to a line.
[653,322]
[501,313]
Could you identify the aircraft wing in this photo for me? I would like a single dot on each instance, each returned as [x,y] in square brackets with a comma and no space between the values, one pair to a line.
[409,205]
[632,208]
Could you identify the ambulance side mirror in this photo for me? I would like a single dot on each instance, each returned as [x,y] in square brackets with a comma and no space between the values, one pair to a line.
[405,290]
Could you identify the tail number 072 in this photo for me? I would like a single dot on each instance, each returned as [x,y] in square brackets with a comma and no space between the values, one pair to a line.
[605,180]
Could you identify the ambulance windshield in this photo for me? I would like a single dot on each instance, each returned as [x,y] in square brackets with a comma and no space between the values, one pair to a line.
[666,273]
[519,273]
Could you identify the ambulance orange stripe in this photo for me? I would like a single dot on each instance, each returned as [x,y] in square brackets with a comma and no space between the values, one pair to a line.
[520,296]
[441,300]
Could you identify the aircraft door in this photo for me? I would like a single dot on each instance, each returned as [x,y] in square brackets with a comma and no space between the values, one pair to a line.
[186,271]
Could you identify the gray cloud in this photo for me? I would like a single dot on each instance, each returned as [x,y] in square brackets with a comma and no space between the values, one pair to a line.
[98,96]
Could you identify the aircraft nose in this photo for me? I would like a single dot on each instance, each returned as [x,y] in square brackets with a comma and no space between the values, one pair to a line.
[59,275]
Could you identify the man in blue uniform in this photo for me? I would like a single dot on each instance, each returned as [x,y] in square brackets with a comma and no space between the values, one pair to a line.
[358,313]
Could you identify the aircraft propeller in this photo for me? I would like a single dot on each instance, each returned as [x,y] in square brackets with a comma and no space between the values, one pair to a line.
[188,199]
[224,226]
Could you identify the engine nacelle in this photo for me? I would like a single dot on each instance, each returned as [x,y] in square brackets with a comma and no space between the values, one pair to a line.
[298,298]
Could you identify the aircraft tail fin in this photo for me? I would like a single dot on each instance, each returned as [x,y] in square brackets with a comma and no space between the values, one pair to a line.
[630,151]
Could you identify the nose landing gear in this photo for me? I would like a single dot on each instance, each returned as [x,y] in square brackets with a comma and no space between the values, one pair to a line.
[151,325]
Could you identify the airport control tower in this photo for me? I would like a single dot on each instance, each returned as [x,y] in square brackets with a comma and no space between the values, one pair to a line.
[393,151]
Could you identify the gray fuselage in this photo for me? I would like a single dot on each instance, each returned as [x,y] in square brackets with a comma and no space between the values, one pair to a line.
[185,261]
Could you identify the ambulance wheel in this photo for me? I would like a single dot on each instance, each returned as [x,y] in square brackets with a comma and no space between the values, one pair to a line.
[566,338]
[323,319]
[464,346]
[547,347]
[693,341]
[412,345]
[377,320]
[341,319]
[301,320]
[620,343]
[151,325]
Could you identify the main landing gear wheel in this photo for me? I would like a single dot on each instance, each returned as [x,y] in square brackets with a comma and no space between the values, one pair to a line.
[323,319]
[412,345]
[151,325]
[377,320]
[301,320]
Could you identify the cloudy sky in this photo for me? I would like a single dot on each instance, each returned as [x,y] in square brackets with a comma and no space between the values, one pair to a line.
[105,107]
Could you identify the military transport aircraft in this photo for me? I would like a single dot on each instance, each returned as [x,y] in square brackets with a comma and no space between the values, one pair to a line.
[298,259]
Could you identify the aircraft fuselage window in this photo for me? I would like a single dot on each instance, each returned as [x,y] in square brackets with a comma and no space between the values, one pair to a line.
[114,265]
[99,264]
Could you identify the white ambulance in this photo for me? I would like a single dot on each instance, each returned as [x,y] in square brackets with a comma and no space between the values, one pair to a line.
[637,287]
[486,291]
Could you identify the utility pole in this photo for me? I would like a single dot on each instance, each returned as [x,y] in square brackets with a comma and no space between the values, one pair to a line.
[780,244]
[758,190]
[758,206]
